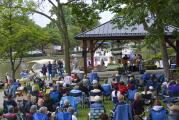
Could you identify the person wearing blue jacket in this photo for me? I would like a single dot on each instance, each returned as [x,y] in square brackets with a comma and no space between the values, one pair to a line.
[123,110]
[158,112]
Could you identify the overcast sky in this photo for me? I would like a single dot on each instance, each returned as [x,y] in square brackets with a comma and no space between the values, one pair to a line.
[43,21]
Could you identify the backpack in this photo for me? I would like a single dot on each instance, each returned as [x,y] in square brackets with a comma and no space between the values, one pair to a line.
[40,116]
[54,96]
[63,116]
[159,115]
[131,94]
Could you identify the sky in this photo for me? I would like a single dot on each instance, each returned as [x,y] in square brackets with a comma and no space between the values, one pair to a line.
[43,21]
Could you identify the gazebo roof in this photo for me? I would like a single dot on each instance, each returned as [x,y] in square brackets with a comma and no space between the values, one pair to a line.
[110,31]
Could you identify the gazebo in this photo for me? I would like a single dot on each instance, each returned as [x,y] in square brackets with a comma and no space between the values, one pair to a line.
[110,31]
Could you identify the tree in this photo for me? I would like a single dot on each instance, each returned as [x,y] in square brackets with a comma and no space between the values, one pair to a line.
[160,13]
[60,22]
[58,9]
[17,34]
[84,15]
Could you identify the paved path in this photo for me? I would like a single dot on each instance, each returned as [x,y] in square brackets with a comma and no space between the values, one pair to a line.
[1,98]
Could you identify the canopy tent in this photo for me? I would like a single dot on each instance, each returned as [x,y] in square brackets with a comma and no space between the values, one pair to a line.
[110,31]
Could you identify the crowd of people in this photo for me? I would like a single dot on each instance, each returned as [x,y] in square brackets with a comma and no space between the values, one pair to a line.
[150,97]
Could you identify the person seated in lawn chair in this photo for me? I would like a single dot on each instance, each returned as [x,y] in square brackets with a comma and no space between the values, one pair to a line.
[29,115]
[174,112]
[122,87]
[97,108]
[94,92]
[9,102]
[10,115]
[115,95]
[42,114]
[122,111]
[54,95]
[95,85]
[174,89]
[97,103]
[107,89]
[131,93]
[83,86]
[158,112]
[138,106]
[68,101]
[72,111]
[64,115]
[148,95]
[75,78]
[77,94]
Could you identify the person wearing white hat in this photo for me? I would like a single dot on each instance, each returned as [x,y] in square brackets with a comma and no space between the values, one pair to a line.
[97,103]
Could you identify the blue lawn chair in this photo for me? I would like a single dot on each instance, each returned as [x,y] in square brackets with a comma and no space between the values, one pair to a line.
[71,99]
[107,89]
[95,113]
[123,112]
[63,116]
[131,94]
[78,95]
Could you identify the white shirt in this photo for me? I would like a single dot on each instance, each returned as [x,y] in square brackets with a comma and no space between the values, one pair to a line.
[74,117]
[113,94]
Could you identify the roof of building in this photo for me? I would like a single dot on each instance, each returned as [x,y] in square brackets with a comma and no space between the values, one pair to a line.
[110,31]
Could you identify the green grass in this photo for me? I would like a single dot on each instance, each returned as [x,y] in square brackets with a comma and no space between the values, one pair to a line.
[83,112]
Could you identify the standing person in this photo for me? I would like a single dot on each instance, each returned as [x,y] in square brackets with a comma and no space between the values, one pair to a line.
[131,58]
[54,68]
[75,63]
[49,69]
[44,70]
[139,62]
[60,67]
[8,78]
[125,63]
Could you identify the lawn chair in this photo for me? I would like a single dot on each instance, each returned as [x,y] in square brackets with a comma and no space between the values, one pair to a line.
[93,94]
[63,116]
[78,95]
[131,94]
[107,89]
[123,112]
[71,99]
[95,113]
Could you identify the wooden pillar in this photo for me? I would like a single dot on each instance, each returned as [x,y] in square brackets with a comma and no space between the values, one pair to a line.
[92,53]
[177,53]
[85,56]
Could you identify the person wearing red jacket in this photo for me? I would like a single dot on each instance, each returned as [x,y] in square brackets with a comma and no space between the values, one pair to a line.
[122,88]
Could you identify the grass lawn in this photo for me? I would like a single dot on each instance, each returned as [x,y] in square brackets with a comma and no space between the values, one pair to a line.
[83,112]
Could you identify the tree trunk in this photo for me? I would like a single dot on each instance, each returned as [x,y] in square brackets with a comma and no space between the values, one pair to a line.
[177,53]
[64,31]
[165,58]
[85,56]
[12,64]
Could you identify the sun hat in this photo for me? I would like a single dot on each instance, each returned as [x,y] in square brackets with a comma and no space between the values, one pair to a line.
[95,82]
[97,98]
[151,88]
